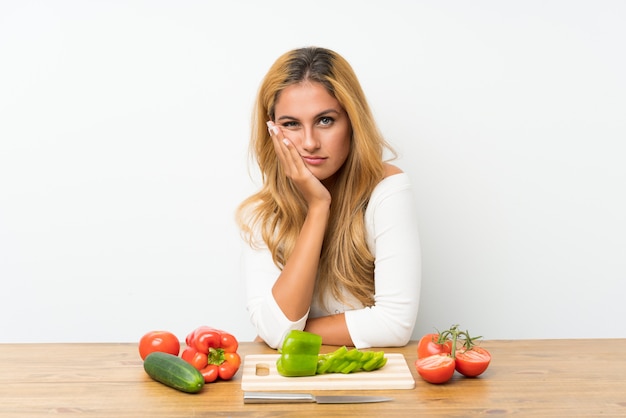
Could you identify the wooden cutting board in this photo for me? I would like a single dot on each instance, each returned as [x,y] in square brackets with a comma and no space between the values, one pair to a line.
[394,375]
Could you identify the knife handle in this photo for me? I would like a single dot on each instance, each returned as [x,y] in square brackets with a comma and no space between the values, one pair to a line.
[277,397]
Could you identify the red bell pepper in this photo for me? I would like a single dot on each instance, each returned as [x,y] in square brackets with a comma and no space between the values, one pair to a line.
[213,352]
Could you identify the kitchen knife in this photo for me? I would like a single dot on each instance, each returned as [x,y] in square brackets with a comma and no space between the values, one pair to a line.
[280,397]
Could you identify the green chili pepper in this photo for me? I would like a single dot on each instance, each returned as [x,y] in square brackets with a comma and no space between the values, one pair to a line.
[299,354]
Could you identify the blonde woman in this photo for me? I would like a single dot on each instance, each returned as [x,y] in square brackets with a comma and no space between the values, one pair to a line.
[332,241]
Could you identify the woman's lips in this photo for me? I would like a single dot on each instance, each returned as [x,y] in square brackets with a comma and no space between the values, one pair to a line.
[313,160]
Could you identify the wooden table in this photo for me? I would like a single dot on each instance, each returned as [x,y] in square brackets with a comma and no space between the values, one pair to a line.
[526,378]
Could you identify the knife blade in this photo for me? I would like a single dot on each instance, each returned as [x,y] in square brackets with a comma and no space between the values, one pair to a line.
[282,397]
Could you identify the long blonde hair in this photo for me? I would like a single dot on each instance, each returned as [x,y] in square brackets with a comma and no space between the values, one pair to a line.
[278,210]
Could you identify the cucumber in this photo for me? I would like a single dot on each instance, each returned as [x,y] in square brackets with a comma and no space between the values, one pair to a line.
[174,372]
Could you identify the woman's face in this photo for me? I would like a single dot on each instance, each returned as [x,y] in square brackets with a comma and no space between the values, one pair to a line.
[317,125]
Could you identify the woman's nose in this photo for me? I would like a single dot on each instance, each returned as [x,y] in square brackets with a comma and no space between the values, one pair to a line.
[310,141]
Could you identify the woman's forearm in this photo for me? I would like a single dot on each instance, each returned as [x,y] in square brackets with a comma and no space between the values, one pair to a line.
[333,329]
[294,287]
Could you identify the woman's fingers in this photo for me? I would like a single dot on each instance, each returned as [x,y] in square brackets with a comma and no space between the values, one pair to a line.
[287,153]
[294,159]
[295,168]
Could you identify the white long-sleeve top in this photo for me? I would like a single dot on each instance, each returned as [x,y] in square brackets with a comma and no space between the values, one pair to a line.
[392,237]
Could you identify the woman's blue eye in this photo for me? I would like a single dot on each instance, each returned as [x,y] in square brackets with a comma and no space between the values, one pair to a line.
[326,120]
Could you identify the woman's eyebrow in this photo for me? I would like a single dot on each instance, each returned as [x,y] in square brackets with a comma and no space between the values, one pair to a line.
[323,113]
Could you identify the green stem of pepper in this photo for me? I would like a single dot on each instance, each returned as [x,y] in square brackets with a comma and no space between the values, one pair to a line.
[216,356]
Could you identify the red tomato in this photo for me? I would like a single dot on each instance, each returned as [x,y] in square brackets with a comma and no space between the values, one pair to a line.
[437,368]
[428,346]
[472,362]
[163,341]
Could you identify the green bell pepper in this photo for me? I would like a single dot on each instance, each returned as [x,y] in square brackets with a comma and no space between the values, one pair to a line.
[299,354]
[350,361]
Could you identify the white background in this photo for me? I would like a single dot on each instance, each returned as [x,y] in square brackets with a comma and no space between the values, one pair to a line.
[123,154]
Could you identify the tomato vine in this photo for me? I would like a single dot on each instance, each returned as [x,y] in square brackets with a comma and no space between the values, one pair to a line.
[454,334]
